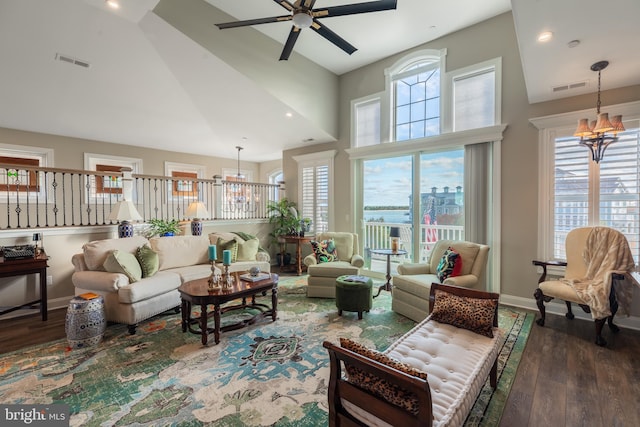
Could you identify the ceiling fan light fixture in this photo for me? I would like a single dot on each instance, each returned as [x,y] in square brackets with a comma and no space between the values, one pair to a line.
[302,19]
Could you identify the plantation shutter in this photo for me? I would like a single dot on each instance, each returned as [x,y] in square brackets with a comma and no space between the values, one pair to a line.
[315,196]
[614,198]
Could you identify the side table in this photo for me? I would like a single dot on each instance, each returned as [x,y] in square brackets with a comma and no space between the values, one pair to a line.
[297,240]
[388,253]
[19,267]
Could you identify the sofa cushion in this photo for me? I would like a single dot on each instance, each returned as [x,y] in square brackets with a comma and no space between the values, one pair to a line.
[450,264]
[125,263]
[161,283]
[332,269]
[95,252]
[378,386]
[148,259]
[325,250]
[180,251]
[416,284]
[473,314]
[227,245]
[248,250]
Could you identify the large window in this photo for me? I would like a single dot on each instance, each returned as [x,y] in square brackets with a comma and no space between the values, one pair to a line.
[587,193]
[575,191]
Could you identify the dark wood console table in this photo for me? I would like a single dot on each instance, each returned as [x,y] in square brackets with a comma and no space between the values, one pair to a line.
[20,267]
[297,240]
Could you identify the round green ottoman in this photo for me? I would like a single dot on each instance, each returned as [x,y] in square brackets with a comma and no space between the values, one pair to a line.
[354,293]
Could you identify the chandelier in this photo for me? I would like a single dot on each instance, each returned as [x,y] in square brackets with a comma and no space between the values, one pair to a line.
[598,135]
[240,198]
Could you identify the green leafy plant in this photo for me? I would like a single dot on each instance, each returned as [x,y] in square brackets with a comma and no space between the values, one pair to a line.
[284,218]
[163,227]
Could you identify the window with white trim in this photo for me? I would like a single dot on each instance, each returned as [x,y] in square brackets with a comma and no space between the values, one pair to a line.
[20,182]
[475,92]
[367,118]
[315,197]
[588,193]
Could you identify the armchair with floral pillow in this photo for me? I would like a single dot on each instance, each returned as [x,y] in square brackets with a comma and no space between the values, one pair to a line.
[333,254]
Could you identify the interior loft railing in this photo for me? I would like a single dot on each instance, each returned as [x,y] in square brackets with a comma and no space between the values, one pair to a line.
[35,197]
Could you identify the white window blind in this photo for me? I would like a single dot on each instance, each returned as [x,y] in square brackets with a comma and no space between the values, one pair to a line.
[607,194]
[474,100]
[367,123]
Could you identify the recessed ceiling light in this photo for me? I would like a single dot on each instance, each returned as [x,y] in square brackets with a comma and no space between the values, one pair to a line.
[545,36]
[113,4]
[573,43]
[289,114]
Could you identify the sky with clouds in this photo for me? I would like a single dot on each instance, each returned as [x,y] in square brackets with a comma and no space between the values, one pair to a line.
[387,182]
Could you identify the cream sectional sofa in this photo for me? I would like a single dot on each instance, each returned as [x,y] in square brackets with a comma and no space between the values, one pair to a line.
[180,259]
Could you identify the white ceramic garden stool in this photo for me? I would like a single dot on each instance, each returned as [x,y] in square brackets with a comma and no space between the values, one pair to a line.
[85,322]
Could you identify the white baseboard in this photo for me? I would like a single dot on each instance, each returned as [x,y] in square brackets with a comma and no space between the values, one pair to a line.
[52,304]
[560,308]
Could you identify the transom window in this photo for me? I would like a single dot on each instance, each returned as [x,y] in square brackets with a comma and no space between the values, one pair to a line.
[417,101]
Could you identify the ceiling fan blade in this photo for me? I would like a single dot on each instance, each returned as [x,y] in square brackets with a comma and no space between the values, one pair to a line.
[291,41]
[352,9]
[332,37]
[254,22]
[308,3]
[286,5]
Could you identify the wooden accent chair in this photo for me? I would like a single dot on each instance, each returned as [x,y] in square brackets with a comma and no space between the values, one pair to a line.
[596,277]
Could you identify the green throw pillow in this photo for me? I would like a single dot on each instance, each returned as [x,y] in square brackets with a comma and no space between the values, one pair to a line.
[148,259]
[227,245]
[247,251]
[125,263]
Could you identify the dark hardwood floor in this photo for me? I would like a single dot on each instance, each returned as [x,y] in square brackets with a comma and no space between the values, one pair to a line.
[563,379]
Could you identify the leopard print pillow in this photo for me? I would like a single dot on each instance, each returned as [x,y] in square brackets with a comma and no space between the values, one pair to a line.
[382,388]
[474,314]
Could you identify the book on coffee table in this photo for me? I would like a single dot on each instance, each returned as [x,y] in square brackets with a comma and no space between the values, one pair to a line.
[249,278]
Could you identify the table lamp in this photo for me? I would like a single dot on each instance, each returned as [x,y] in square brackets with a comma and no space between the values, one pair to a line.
[37,238]
[197,211]
[125,211]
[394,234]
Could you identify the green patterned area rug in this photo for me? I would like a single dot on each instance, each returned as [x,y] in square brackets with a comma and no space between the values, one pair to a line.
[272,373]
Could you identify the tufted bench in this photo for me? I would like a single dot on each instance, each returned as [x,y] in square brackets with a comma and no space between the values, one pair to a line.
[441,371]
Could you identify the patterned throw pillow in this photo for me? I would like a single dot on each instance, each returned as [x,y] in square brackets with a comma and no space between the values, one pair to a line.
[474,314]
[450,265]
[382,388]
[325,250]
[227,245]
[149,260]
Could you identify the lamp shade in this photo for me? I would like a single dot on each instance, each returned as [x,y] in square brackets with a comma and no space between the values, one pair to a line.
[197,210]
[394,232]
[583,128]
[124,210]
[616,122]
[603,124]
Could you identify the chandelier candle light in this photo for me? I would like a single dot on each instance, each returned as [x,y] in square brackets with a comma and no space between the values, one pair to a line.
[598,135]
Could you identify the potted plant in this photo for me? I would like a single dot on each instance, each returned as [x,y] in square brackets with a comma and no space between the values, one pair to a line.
[305,225]
[164,227]
[284,217]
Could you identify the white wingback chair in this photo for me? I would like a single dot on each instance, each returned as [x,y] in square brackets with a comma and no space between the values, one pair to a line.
[322,276]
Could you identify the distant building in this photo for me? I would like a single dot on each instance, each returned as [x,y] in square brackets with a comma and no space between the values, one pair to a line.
[436,203]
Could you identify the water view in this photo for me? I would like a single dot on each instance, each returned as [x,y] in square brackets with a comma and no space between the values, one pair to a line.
[388,216]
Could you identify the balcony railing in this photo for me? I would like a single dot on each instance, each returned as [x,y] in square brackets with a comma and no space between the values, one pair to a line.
[376,236]
[34,197]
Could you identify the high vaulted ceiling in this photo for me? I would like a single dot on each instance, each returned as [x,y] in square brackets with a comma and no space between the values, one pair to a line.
[149,85]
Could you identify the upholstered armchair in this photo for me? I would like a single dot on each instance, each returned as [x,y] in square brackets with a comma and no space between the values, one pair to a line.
[596,277]
[412,285]
[322,275]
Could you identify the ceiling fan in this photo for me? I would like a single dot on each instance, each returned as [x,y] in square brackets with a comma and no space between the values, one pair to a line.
[303,15]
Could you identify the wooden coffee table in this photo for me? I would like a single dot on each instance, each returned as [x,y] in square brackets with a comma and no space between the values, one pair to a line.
[197,292]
